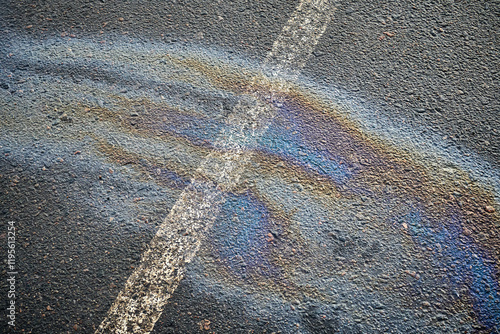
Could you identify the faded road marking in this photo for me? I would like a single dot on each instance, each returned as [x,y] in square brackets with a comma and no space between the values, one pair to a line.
[141,302]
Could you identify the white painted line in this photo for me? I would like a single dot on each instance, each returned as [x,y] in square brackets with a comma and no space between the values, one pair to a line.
[141,302]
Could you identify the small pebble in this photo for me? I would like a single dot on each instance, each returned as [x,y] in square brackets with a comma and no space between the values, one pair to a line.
[489,209]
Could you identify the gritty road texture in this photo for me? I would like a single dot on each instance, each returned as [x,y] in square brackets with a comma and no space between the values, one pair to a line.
[370,204]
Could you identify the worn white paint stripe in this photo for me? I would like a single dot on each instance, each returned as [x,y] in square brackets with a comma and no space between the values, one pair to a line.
[141,302]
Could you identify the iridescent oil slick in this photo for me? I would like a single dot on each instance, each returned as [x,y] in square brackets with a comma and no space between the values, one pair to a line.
[328,210]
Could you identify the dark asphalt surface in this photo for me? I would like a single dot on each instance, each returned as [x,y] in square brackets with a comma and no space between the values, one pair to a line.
[83,224]
[440,68]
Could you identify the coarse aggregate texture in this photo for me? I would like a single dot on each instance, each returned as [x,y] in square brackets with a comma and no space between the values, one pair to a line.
[354,213]
[431,63]
[435,62]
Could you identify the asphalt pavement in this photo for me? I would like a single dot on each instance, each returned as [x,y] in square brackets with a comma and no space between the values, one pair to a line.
[365,201]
